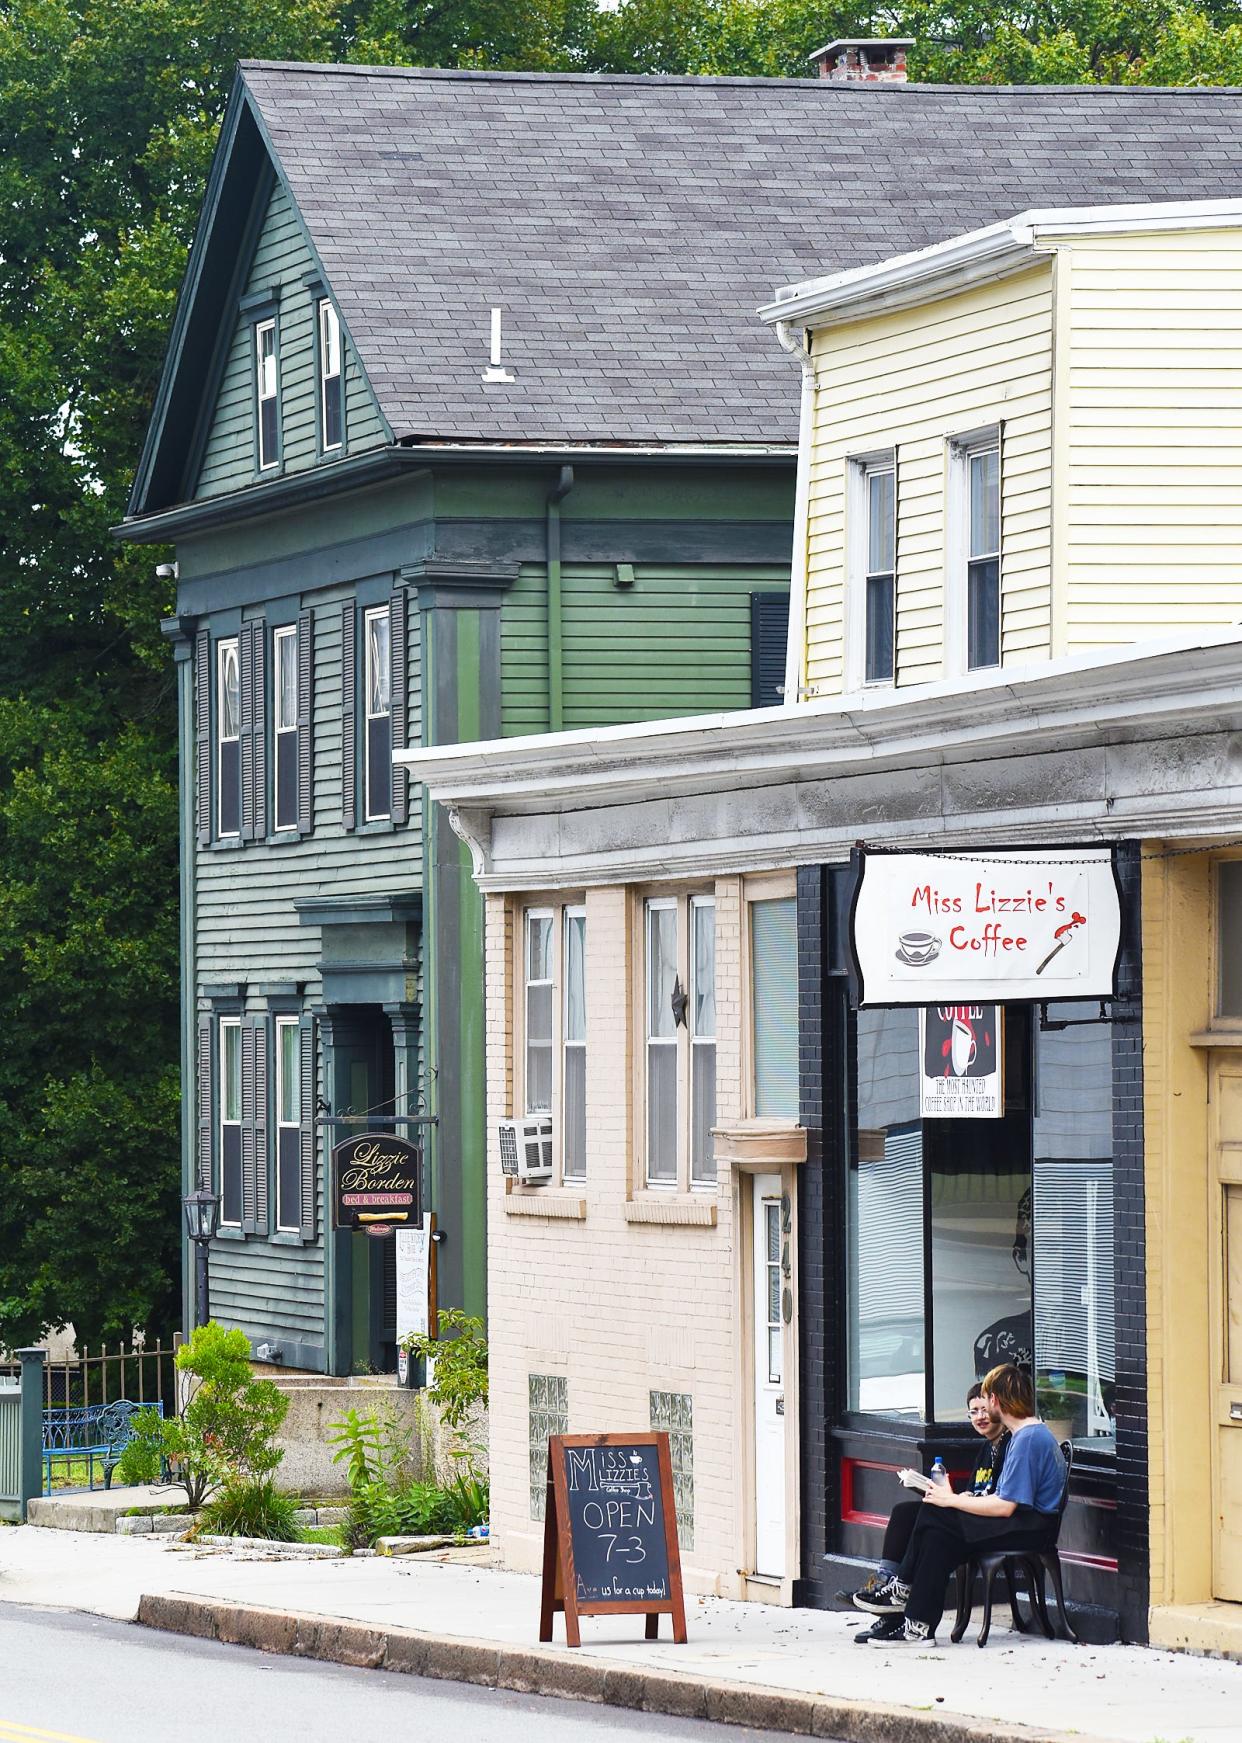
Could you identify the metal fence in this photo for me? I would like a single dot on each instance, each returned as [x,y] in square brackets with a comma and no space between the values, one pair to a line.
[144,1373]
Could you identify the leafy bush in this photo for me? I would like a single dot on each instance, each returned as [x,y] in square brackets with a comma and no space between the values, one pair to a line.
[377,1509]
[251,1509]
[139,1463]
[459,1376]
[374,1448]
[468,1497]
[222,1435]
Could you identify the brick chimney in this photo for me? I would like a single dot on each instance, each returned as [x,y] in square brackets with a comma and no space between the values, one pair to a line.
[864,60]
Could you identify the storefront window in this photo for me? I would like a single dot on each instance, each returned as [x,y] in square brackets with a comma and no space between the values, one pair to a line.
[1075,1359]
[1229,936]
[980,1173]
[886,1219]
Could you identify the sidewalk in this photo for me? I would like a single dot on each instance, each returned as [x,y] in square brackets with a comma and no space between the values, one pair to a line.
[749,1663]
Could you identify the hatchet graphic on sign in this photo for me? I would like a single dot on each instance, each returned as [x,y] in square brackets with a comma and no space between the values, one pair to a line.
[1062,935]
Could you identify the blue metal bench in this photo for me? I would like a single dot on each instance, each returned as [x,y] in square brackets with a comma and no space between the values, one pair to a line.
[90,1432]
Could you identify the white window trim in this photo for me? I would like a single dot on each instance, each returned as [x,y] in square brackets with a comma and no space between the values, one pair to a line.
[682,1039]
[285,633]
[556,912]
[859,468]
[368,617]
[766,887]
[225,1024]
[957,544]
[261,398]
[328,316]
[570,911]
[230,644]
[549,914]
[698,1042]
[283,1025]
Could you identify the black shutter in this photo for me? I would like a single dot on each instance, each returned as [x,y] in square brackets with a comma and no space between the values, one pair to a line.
[349,714]
[258,725]
[248,1221]
[769,632]
[202,736]
[306,724]
[203,1160]
[261,1052]
[399,658]
[307,1135]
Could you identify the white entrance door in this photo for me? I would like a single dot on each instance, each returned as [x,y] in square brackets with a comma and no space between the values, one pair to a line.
[769,1344]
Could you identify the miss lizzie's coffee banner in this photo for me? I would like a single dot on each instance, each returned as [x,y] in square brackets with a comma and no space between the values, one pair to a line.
[958,928]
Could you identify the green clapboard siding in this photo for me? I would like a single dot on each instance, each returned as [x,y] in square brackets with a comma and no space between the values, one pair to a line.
[677,642]
[282,262]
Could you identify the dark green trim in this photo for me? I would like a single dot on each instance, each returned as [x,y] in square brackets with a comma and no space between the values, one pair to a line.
[358,910]
[260,304]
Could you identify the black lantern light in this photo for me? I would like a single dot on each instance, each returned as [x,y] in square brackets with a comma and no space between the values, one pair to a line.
[202,1219]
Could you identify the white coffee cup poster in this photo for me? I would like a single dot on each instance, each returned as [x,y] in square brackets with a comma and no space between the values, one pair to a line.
[962,1053]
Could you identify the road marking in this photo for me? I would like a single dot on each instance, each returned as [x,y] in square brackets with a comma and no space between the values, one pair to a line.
[13,1731]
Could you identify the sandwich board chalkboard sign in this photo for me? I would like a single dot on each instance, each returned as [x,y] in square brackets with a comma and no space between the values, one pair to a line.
[610,1533]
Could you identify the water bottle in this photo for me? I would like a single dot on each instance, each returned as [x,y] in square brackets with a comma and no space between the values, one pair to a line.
[938,1472]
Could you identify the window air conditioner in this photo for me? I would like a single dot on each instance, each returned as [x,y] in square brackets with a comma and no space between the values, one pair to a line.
[526,1149]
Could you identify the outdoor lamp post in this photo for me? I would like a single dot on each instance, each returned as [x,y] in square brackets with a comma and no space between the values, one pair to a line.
[202,1218]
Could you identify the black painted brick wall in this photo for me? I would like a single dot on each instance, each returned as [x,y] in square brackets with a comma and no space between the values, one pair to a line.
[812,1341]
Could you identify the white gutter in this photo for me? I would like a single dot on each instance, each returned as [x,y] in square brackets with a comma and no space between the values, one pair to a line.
[979,255]
[795,641]
[1121,691]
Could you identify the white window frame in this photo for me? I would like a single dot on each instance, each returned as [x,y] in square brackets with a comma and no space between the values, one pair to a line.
[556,913]
[682,1039]
[961,449]
[265,391]
[228,645]
[283,1026]
[765,887]
[570,911]
[370,813]
[330,349]
[281,728]
[225,1026]
[861,468]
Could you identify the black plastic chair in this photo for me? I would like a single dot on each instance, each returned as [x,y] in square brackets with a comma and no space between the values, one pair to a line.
[1034,1563]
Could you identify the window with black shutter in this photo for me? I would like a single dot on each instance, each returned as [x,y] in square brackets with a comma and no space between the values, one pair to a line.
[769,632]
[229,1056]
[285,727]
[228,737]
[289,1124]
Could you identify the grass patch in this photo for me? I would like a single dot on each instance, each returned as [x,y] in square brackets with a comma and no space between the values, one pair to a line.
[329,1534]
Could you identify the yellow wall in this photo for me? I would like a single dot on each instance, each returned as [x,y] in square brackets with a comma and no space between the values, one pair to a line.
[1151,437]
[1177,1002]
[913,380]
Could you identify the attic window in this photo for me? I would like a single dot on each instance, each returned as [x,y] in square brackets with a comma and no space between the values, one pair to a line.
[267,392]
[331,398]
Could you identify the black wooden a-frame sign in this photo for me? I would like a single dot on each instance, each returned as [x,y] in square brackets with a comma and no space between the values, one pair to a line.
[610,1533]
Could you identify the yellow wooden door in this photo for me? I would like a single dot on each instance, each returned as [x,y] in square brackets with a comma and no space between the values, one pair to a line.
[1226,1323]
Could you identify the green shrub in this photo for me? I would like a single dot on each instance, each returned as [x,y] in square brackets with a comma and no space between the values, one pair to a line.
[459,1378]
[139,1463]
[413,1510]
[374,1448]
[467,1499]
[251,1509]
[223,1434]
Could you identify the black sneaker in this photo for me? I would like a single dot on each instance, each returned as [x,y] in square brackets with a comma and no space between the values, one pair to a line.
[883,1628]
[868,1589]
[889,1600]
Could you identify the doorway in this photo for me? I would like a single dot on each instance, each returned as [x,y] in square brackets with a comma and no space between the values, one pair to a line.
[768,1283]
[365,1079]
[1225,1287]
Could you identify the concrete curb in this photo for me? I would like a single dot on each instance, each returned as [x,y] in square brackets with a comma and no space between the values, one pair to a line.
[544,1670]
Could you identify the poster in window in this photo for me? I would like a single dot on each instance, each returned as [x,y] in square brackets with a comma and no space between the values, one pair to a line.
[962,1062]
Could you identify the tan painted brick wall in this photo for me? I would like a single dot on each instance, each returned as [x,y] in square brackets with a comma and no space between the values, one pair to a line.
[619,1308]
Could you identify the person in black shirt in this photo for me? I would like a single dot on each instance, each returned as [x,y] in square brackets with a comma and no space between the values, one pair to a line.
[901,1520]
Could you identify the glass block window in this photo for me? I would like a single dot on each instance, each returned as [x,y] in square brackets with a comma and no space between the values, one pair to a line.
[549,1414]
[673,1414]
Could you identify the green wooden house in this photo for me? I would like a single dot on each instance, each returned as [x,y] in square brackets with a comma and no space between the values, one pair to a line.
[441,458]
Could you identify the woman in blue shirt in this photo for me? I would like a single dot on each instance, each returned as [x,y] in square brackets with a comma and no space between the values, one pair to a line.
[1021,1514]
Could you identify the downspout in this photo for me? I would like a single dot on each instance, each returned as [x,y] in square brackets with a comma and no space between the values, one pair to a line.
[795,648]
[556,667]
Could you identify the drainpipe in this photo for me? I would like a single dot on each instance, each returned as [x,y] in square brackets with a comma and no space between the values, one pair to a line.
[556,670]
[795,342]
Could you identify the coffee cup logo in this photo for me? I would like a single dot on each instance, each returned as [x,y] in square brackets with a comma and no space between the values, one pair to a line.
[917,949]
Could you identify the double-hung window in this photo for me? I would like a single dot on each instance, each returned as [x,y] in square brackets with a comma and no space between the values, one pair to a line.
[267,394]
[230,1122]
[285,724]
[554,1029]
[377,680]
[877,488]
[975,549]
[331,378]
[228,737]
[679,1004]
[288,1124]
[774,1007]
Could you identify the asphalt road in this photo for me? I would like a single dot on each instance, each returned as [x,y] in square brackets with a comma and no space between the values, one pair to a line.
[67,1678]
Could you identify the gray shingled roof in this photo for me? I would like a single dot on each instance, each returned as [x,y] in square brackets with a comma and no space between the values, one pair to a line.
[629,227]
